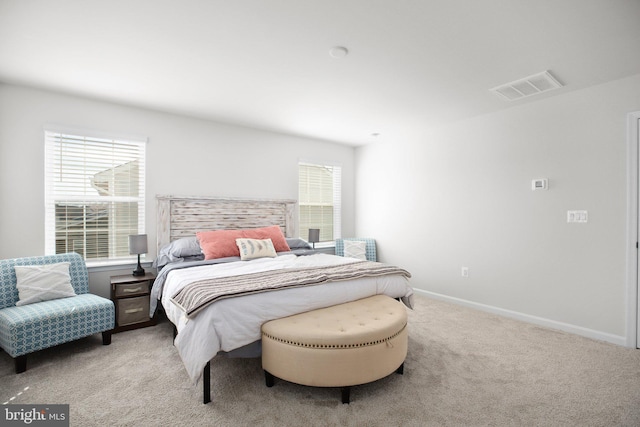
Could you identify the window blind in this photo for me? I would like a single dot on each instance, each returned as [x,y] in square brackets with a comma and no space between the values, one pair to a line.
[94,194]
[319,200]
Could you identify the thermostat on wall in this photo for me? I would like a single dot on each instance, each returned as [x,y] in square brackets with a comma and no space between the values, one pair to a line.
[539,184]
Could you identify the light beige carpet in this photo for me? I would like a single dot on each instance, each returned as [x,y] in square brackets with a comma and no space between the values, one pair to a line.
[464,368]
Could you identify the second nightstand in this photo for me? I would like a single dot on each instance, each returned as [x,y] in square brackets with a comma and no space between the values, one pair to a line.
[131,296]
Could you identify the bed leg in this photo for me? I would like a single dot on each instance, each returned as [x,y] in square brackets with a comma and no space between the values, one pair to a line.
[206,383]
[346,392]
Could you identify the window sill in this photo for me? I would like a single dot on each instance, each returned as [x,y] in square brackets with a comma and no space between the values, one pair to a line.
[112,265]
[324,245]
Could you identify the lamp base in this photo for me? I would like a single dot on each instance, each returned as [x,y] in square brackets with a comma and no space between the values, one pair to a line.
[139,271]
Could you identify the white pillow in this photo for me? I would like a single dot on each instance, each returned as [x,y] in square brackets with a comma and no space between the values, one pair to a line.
[255,248]
[38,283]
[355,249]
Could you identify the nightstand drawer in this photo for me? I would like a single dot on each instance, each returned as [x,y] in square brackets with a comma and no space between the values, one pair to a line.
[131,296]
[127,289]
[132,310]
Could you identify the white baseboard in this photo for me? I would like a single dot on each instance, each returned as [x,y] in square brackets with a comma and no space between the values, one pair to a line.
[566,327]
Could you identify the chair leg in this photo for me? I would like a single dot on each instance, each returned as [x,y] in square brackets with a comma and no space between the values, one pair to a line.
[346,392]
[21,363]
[106,338]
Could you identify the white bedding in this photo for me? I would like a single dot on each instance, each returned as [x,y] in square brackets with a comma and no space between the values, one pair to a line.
[232,323]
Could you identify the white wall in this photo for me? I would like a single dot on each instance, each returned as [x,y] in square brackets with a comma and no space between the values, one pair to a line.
[185,156]
[462,197]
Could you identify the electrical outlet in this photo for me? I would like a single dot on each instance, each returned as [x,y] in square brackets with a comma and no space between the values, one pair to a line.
[464,271]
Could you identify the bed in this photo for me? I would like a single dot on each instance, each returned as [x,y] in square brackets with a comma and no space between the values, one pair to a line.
[297,279]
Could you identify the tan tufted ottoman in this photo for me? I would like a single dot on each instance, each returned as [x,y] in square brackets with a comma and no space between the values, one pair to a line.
[340,346]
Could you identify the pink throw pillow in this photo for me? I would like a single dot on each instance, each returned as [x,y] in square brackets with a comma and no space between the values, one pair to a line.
[219,243]
[222,243]
[274,233]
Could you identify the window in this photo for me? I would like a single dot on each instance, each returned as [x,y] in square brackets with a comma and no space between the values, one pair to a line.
[319,199]
[94,194]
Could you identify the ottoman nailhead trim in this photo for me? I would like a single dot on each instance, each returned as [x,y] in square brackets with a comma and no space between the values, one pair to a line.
[332,346]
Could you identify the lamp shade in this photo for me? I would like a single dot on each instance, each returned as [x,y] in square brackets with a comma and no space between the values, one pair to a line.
[314,235]
[137,244]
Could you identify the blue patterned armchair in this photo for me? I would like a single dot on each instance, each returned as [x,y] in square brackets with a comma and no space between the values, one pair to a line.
[32,327]
[370,246]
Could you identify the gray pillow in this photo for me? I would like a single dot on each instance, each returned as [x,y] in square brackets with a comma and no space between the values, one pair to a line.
[295,243]
[178,250]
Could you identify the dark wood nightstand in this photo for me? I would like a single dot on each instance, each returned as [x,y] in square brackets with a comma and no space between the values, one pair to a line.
[131,296]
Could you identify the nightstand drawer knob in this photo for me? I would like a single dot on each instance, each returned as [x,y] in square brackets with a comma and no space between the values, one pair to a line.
[131,290]
[133,310]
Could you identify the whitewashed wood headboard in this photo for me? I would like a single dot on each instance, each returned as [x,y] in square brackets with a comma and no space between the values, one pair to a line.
[183,216]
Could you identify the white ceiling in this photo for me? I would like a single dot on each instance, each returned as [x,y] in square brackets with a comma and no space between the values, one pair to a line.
[266,63]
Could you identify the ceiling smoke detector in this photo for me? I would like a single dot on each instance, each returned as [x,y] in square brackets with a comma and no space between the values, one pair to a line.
[532,85]
[338,52]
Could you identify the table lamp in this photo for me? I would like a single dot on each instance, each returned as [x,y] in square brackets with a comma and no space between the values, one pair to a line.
[137,246]
[314,236]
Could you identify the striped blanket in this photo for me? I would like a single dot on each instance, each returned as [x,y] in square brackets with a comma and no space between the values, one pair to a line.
[197,295]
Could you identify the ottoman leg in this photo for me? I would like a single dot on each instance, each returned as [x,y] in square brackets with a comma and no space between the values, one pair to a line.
[346,392]
[269,379]
[400,369]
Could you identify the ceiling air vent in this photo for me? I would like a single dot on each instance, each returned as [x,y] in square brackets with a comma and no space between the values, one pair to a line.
[528,86]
